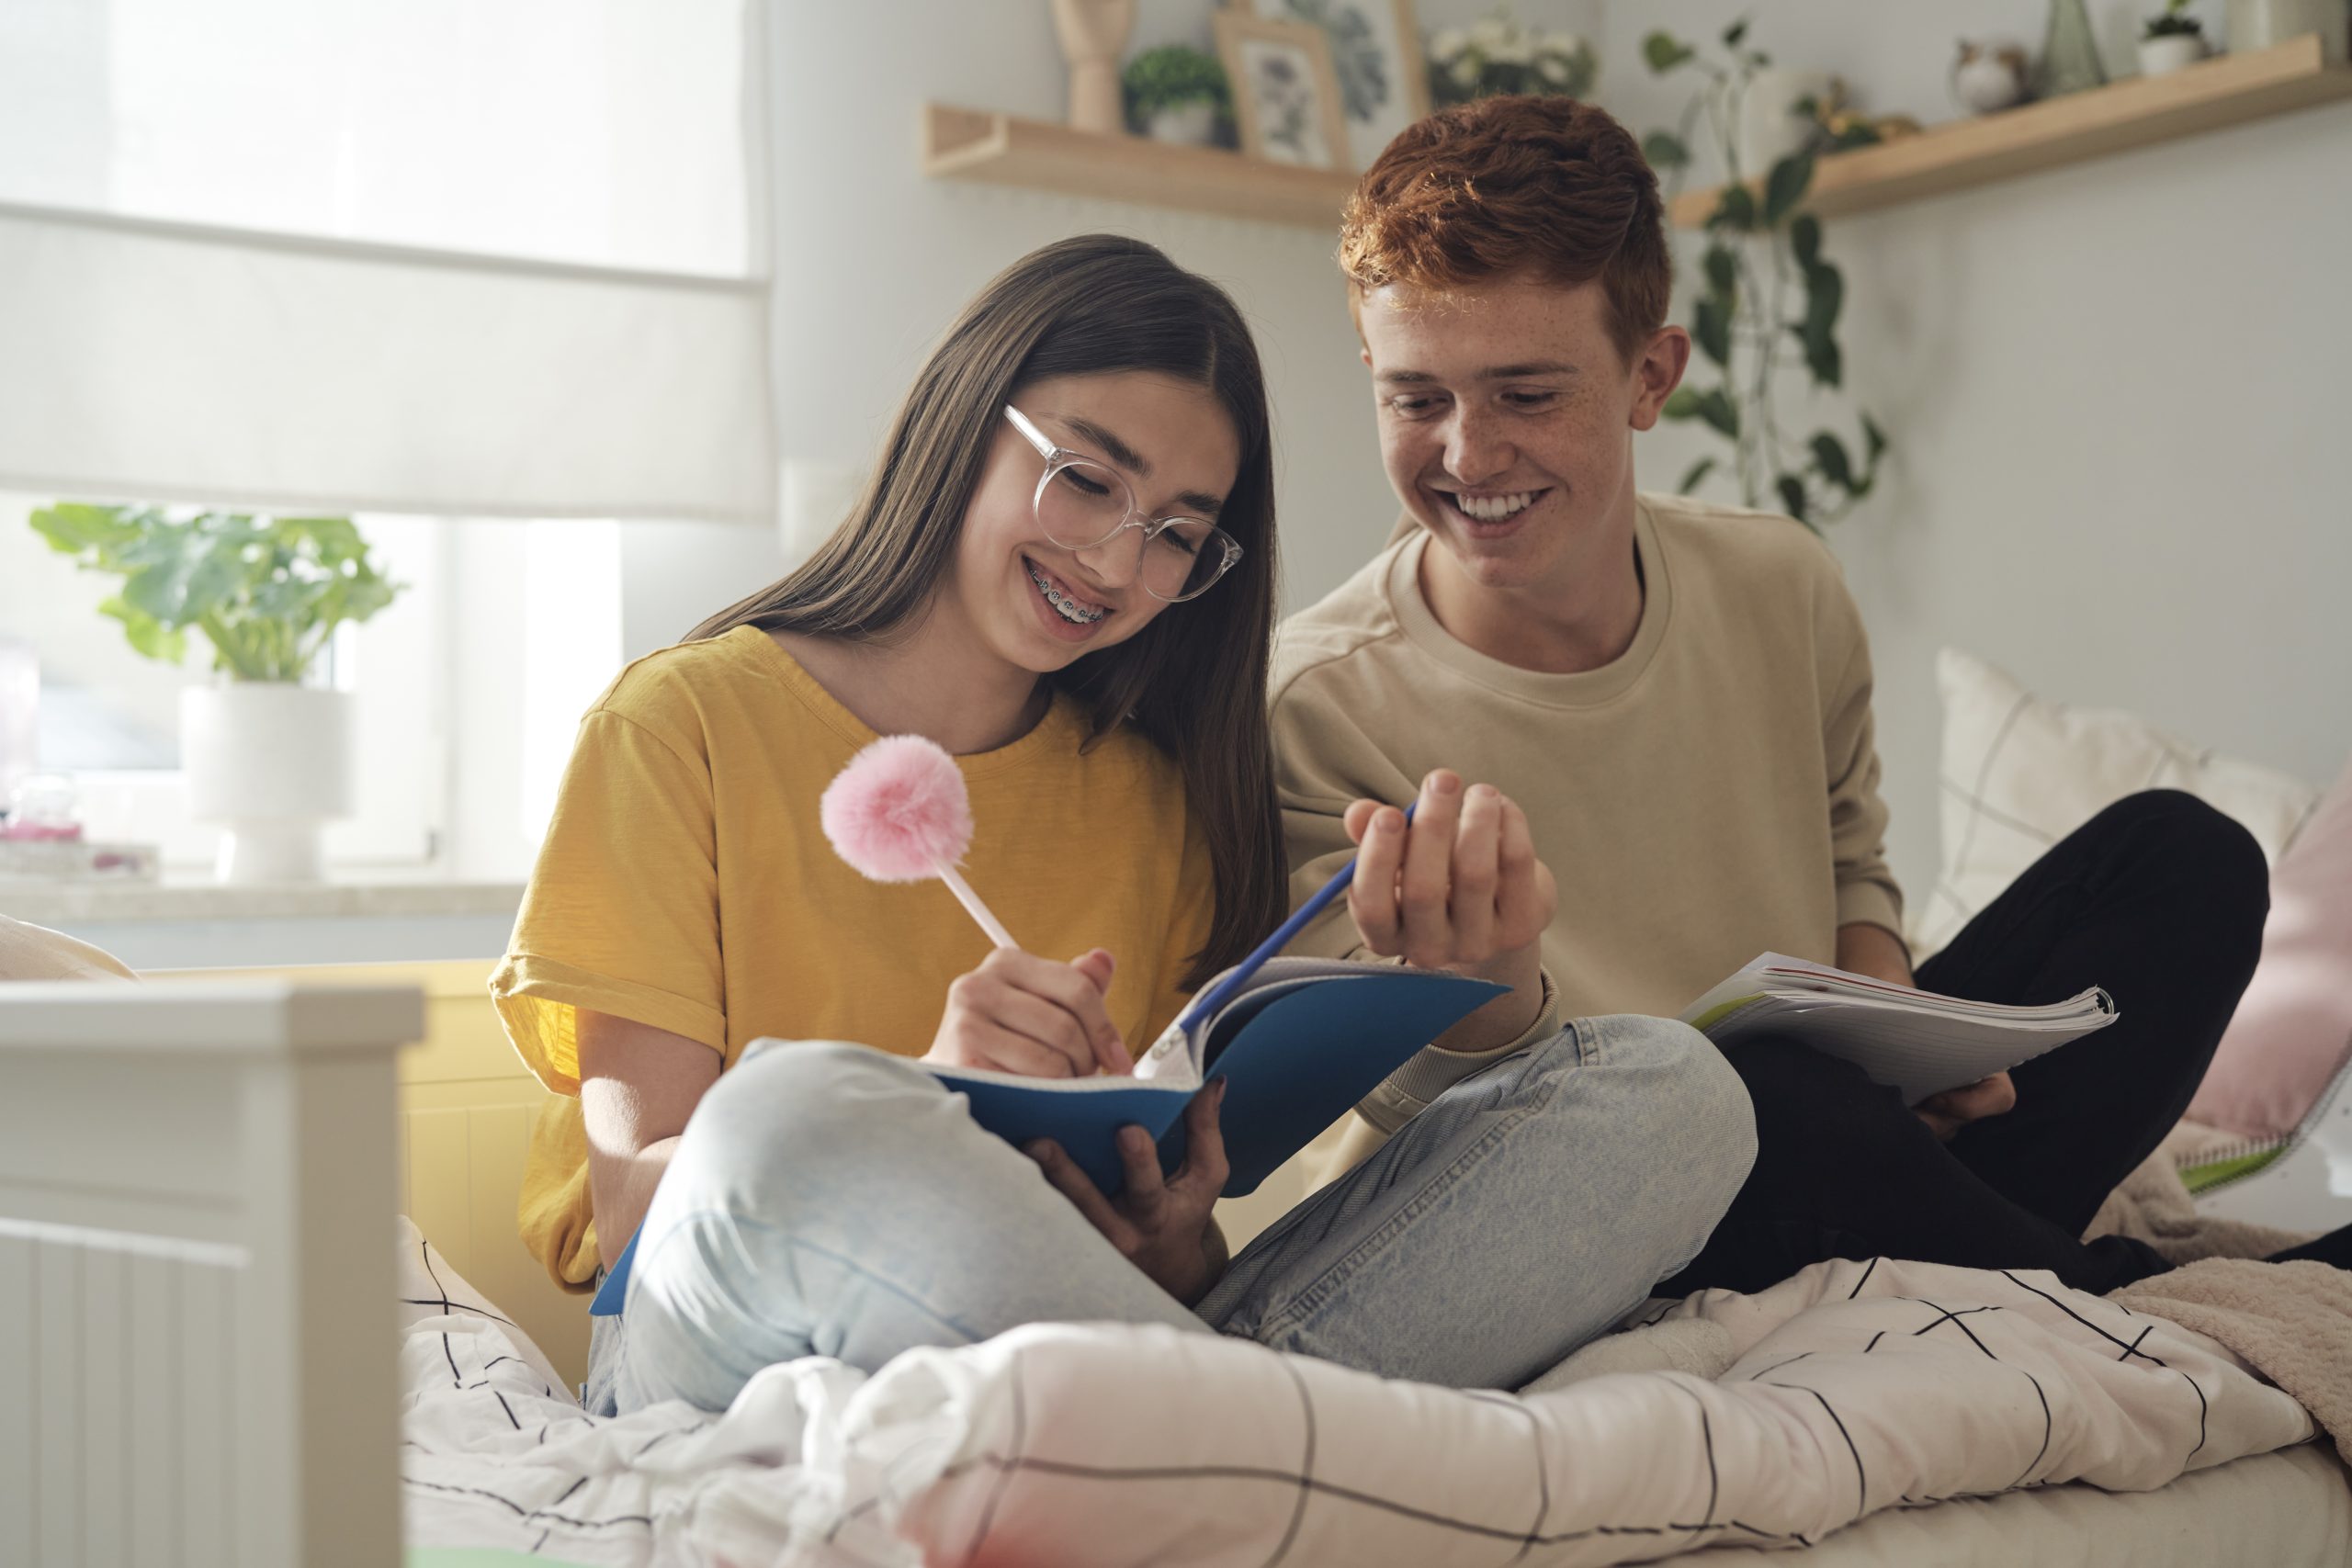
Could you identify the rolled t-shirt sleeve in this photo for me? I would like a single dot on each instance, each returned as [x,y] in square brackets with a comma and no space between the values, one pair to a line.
[621,916]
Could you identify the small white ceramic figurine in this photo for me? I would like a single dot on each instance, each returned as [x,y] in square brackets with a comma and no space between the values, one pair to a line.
[1989,76]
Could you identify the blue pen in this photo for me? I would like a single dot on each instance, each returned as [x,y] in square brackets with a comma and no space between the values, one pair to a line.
[610,1295]
[1207,1004]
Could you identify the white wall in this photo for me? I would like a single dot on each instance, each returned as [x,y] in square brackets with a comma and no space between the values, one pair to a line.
[872,260]
[2116,394]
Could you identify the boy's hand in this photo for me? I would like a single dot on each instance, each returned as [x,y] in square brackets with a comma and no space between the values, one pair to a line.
[1948,1113]
[1160,1224]
[1459,887]
[1021,1013]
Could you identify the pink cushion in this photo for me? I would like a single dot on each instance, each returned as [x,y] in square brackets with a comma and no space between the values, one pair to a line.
[2293,1030]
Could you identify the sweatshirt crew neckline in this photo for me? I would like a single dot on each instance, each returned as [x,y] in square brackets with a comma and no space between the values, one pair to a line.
[1401,587]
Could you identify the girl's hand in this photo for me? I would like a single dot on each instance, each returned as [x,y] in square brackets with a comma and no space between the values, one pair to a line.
[1459,887]
[1020,1013]
[1162,1226]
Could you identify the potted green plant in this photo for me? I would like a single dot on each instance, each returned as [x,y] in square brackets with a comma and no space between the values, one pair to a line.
[1177,94]
[1768,301]
[2170,39]
[265,755]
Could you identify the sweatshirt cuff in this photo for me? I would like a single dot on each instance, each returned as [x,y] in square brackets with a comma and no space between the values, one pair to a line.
[1872,904]
[1409,1091]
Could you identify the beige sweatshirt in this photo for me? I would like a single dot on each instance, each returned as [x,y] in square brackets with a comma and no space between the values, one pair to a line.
[1711,795]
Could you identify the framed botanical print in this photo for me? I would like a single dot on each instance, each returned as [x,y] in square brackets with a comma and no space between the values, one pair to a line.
[1375,54]
[1285,95]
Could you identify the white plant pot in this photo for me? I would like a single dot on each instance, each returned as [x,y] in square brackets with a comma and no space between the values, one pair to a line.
[271,762]
[2165,54]
[1769,126]
[1186,125]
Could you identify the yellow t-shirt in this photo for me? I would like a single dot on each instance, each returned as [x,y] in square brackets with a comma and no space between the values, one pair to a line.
[686,883]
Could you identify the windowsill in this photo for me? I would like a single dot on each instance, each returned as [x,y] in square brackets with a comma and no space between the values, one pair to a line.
[360,894]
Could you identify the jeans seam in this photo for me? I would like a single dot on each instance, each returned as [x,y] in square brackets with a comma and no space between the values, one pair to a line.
[1309,1301]
[797,1244]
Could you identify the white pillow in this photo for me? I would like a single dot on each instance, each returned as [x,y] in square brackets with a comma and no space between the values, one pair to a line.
[36,952]
[2020,773]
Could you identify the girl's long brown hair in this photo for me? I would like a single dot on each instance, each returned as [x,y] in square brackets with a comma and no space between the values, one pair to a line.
[1195,680]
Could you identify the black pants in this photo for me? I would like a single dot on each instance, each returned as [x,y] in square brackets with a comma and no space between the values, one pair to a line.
[2160,899]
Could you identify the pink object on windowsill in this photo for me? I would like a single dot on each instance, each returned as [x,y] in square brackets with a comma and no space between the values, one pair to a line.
[40,832]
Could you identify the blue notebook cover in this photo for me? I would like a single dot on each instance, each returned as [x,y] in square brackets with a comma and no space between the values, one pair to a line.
[1296,1055]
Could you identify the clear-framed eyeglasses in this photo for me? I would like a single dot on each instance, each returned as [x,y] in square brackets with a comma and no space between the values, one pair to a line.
[1083,505]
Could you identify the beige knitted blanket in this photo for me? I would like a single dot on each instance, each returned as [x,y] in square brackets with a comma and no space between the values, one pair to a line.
[2292,1322]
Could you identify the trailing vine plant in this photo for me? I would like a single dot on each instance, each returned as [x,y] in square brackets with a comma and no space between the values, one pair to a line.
[1769,301]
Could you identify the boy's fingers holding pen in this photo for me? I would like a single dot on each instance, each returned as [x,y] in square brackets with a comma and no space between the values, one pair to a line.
[1428,868]
[1477,873]
[1526,897]
[1372,896]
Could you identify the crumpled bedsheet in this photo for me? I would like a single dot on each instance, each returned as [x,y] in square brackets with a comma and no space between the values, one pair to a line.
[1849,1388]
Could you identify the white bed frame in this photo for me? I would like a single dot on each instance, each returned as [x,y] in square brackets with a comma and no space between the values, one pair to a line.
[196,1329]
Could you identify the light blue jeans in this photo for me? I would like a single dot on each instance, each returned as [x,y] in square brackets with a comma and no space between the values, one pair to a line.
[831,1200]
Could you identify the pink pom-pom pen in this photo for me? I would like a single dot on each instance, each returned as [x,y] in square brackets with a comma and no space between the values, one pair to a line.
[899,812]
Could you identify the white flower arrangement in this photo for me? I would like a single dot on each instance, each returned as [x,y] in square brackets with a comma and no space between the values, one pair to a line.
[1499,54]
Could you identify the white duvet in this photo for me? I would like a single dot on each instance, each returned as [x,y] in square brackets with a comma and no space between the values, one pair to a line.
[1849,1389]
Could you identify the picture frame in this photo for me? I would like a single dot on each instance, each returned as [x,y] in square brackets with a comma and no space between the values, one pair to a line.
[1285,93]
[1376,55]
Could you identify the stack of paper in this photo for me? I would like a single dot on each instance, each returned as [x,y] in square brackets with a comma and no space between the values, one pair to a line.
[1917,1042]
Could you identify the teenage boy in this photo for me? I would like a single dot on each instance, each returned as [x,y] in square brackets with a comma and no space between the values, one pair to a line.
[1679,695]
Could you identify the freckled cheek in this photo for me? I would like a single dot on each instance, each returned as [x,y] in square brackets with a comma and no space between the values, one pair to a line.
[1410,450]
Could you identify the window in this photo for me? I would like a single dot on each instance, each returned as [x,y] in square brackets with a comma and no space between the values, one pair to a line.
[608,132]
[465,692]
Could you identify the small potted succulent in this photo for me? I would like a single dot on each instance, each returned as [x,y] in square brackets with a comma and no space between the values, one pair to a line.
[2170,39]
[1179,94]
[267,755]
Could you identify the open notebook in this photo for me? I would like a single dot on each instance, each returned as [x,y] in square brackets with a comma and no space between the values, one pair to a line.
[1302,1041]
[1917,1042]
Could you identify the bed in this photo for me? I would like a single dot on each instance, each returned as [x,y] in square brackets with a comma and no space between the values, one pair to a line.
[234,1353]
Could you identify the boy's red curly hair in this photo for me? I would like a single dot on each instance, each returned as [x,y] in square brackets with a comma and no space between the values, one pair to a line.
[1510,185]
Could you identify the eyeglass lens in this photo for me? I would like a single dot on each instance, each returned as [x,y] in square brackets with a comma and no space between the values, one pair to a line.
[1082,504]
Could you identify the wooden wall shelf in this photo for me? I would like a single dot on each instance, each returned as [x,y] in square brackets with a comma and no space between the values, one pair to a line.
[2137,112]
[978,144]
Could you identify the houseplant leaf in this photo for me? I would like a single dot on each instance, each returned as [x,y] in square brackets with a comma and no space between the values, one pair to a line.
[1717,410]
[1665,52]
[1722,271]
[1711,328]
[1829,455]
[1805,239]
[1793,500]
[1786,185]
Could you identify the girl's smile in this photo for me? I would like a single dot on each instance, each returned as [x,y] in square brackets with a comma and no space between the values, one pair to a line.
[1065,613]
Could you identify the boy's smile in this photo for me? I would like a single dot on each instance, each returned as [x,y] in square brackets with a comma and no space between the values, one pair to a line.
[1506,416]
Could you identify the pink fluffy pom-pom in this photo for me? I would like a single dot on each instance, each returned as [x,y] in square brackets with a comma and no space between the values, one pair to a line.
[899,812]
